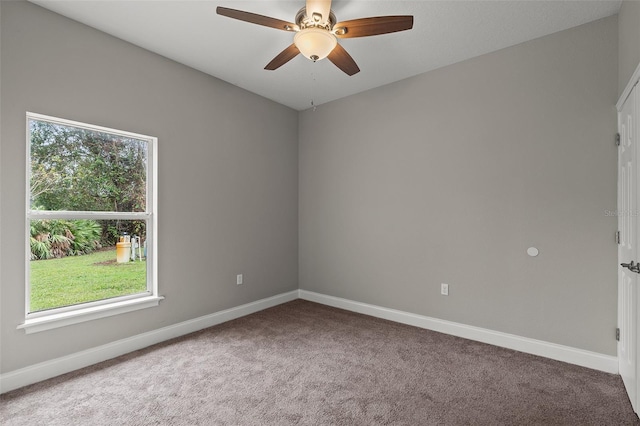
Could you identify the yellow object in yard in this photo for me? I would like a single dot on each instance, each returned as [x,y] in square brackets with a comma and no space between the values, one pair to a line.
[123,252]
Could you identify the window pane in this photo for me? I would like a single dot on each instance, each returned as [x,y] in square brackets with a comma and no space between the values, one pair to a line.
[85,170]
[79,261]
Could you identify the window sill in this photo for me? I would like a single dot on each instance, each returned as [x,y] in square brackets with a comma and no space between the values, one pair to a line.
[62,319]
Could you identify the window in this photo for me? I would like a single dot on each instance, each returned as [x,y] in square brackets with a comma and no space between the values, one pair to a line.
[91,222]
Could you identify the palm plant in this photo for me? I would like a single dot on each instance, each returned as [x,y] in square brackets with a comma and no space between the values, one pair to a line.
[59,238]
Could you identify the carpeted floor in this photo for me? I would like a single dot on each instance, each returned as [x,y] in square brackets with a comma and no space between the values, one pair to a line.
[303,363]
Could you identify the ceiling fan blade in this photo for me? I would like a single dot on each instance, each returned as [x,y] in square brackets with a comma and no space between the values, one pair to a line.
[343,60]
[365,27]
[283,57]
[254,18]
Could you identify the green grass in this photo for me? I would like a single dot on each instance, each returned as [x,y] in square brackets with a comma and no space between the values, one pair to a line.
[78,279]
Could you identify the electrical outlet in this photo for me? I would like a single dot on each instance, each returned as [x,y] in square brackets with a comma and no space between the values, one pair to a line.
[239,279]
[444,289]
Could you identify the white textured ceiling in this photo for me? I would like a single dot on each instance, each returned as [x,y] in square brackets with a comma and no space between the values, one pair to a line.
[444,32]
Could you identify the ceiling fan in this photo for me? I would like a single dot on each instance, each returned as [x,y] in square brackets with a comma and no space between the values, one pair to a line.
[317,31]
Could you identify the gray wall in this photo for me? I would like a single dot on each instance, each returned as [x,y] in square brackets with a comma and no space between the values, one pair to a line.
[629,42]
[449,177]
[227,167]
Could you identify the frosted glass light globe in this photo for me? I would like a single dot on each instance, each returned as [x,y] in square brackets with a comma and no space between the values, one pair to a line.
[315,43]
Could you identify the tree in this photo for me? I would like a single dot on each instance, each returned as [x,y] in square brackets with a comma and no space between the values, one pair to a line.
[84,170]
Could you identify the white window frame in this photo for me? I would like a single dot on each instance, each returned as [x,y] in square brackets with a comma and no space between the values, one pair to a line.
[59,317]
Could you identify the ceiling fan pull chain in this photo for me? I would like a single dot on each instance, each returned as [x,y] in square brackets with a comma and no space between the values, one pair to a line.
[313,91]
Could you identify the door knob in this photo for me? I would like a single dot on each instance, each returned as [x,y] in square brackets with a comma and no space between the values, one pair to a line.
[633,267]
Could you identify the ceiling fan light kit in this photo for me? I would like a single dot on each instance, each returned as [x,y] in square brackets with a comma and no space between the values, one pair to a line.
[317,32]
[315,43]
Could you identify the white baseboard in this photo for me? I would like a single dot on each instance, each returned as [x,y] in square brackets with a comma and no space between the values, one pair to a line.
[594,360]
[55,367]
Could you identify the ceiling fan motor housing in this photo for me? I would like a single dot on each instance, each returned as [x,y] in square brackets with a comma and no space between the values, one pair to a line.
[303,21]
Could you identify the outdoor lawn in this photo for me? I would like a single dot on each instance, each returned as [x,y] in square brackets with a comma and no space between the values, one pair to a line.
[78,279]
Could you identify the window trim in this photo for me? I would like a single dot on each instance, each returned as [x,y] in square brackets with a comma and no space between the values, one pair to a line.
[61,319]
[66,315]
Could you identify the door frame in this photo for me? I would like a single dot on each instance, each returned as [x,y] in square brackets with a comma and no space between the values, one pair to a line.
[635,77]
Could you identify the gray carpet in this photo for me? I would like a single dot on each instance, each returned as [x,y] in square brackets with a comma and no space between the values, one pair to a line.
[303,363]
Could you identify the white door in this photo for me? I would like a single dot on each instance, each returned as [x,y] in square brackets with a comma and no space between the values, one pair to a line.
[627,249]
